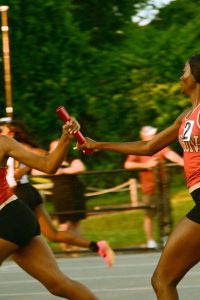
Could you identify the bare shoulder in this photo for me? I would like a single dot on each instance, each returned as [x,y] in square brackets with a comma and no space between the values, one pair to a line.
[182,116]
[4,140]
[8,145]
[4,145]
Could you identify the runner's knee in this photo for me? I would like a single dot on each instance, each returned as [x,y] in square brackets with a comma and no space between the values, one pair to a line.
[59,286]
[161,283]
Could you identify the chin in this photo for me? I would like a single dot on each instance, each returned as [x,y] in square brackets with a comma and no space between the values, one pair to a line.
[183,91]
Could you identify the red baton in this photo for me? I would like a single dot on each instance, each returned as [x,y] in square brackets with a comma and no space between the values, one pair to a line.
[63,114]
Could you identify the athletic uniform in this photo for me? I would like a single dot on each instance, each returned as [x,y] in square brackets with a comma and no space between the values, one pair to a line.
[189,138]
[18,223]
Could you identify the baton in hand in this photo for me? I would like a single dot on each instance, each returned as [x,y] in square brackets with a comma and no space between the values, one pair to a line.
[63,114]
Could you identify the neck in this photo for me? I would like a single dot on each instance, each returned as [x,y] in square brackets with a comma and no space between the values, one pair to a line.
[195,96]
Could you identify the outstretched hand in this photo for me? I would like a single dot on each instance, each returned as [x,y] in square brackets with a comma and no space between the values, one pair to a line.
[89,144]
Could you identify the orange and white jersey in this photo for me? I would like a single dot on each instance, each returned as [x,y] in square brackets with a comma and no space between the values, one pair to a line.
[189,138]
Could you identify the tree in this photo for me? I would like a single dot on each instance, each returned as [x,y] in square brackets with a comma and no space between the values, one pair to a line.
[107,21]
[112,74]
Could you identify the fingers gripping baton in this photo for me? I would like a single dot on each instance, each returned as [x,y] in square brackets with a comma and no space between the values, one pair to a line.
[63,114]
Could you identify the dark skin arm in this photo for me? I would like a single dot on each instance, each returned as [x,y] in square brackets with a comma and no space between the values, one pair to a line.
[19,173]
[45,163]
[147,148]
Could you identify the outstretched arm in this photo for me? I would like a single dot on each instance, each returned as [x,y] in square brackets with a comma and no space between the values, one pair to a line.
[45,163]
[160,141]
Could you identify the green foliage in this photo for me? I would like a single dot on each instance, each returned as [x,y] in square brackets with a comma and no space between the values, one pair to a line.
[50,52]
[105,20]
[110,73]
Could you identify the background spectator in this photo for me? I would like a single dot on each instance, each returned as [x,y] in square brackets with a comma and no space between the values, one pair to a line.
[68,193]
[148,179]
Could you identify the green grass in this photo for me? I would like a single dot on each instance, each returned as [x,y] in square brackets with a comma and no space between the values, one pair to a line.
[124,229]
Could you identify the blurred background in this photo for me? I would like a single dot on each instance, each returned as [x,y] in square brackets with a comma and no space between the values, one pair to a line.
[115,65]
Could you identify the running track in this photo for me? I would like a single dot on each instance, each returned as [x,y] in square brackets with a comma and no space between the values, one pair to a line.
[128,279]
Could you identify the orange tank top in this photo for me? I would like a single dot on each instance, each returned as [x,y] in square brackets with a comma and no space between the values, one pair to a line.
[5,190]
[147,177]
[189,138]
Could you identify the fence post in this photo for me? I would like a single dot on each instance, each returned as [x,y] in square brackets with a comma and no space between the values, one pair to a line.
[133,191]
[164,206]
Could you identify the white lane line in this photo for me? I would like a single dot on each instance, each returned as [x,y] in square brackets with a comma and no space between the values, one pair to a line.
[131,289]
[103,277]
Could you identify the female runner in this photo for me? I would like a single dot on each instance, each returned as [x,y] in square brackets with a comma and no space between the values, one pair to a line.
[19,228]
[19,181]
[182,250]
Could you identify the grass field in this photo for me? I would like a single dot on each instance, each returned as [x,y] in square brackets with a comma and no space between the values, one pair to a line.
[125,229]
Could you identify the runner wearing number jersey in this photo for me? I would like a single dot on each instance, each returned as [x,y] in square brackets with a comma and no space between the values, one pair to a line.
[182,250]
[189,138]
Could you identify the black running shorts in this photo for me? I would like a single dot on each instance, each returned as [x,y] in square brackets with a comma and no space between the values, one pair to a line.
[18,223]
[194,213]
[29,194]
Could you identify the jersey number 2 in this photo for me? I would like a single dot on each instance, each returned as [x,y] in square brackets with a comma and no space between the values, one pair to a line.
[188,131]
